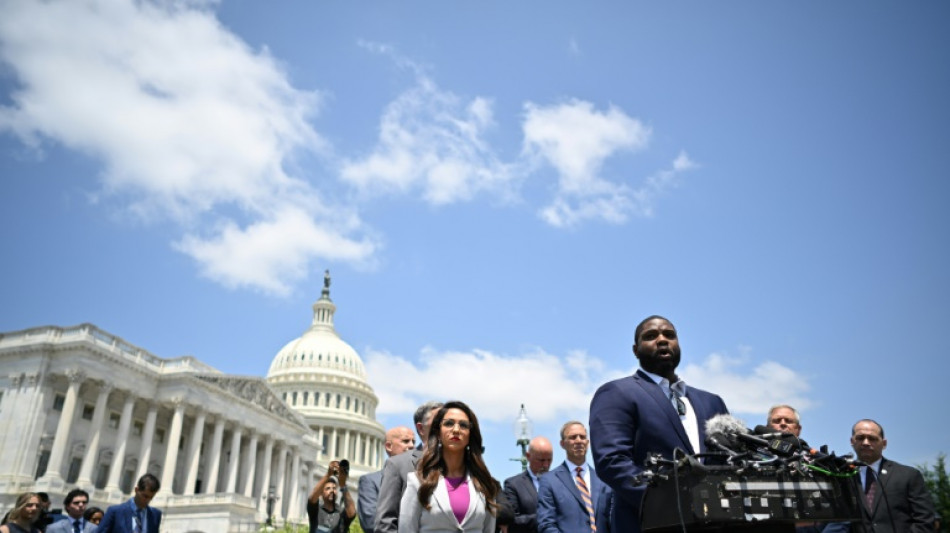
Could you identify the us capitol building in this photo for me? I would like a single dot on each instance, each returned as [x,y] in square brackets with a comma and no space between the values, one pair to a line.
[81,407]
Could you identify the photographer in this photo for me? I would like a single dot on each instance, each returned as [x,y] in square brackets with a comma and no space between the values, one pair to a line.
[330,507]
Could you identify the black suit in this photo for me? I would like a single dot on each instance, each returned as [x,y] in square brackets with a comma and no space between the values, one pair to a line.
[523,498]
[901,504]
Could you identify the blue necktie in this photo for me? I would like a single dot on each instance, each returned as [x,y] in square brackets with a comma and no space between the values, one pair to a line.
[77,526]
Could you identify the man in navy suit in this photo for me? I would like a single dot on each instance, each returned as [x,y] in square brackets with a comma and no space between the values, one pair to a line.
[571,498]
[398,440]
[522,490]
[652,411]
[134,516]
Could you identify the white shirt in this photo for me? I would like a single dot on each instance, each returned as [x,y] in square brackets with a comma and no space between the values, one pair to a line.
[689,419]
[585,473]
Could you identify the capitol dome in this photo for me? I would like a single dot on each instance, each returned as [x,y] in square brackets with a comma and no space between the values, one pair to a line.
[322,377]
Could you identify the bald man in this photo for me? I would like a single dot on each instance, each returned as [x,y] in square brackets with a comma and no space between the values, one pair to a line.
[398,440]
[522,490]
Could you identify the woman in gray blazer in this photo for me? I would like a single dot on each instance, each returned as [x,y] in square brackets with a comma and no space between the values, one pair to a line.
[451,489]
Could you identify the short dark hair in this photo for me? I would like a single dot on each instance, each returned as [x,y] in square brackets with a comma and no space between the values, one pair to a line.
[420,415]
[44,497]
[879,426]
[636,332]
[90,511]
[72,495]
[148,482]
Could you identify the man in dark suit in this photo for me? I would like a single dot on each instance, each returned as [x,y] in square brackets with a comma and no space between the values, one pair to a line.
[393,482]
[571,498]
[652,411]
[895,496]
[521,491]
[398,440]
[135,516]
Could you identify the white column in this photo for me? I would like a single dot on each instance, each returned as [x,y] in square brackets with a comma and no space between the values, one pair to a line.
[121,439]
[346,446]
[235,460]
[358,457]
[215,461]
[281,479]
[148,435]
[251,466]
[265,474]
[194,453]
[95,433]
[171,445]
[293,512]
[333,449]
[64,427]
[320,451]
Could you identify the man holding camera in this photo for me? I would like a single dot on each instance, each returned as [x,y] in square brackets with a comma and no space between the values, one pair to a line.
[330,507]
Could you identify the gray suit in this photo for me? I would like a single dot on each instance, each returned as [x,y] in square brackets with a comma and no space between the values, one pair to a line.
[66,526]
[367,495]
[391,487]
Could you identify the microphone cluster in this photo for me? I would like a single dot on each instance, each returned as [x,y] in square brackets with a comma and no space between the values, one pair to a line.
[735,449]
[764,449]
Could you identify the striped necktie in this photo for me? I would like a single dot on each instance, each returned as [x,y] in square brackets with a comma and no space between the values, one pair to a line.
[585,495]
[870,487]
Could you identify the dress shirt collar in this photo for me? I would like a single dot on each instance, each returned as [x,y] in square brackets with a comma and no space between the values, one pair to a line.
[679,386]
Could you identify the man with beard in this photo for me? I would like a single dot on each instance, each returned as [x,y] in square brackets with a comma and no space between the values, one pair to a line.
[652,411]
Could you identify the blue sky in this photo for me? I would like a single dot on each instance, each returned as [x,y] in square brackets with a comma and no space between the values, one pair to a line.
[501,192]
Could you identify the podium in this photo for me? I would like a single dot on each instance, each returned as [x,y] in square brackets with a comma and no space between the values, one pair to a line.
[762,502]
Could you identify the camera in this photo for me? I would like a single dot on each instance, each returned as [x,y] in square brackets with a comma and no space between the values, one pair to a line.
[345,466]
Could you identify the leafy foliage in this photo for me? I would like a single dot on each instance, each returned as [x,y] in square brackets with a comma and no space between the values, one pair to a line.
[938,483]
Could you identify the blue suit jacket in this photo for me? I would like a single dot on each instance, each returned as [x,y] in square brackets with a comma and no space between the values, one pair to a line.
[630,418]
[118,519]
[367,494]
[560,507]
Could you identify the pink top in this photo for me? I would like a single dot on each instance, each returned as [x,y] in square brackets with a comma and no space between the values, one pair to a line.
[458,496]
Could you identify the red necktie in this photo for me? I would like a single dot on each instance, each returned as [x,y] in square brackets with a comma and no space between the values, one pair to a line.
[870,487]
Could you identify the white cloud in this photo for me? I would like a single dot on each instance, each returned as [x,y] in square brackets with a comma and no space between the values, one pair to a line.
[431,140]
[185,117]
[555,386]
[550,385]
[747,386]
[576,140]
[271,254]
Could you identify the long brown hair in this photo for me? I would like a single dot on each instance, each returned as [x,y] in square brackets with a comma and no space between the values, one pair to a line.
[432,465]
[20,505]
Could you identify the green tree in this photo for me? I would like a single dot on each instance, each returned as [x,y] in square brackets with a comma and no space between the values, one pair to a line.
[938,483]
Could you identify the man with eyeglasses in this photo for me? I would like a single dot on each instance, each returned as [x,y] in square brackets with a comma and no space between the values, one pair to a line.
[571,498]
[75,505]
[522,490]
[652,411]
[397,469]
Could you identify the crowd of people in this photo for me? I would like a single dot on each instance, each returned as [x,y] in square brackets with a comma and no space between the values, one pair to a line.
[30,513]
[443,485]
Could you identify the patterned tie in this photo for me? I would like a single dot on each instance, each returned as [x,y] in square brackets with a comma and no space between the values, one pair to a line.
[870,487]
[585,495]
[139,522]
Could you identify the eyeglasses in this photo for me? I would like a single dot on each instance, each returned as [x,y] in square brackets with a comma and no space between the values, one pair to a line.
[464,425]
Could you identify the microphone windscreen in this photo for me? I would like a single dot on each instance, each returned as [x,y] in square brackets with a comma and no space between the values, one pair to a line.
[726,424]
